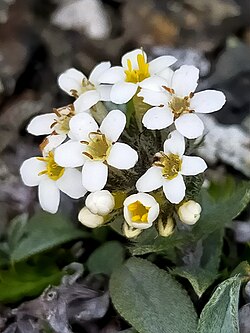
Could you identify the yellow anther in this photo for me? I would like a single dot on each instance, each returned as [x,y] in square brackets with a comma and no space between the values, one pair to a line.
[137,75]
[139,212]
[170,164]
[53,170]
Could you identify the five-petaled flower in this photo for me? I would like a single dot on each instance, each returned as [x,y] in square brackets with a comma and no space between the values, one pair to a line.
[168,169]
[140,210]
[173,100]
[87,91]
[96,148]
[134,70]
[51,178]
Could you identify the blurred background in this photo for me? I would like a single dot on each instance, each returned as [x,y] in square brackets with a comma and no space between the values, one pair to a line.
[39,39]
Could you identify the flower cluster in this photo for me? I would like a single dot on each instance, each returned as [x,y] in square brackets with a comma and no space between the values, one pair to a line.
[131,154]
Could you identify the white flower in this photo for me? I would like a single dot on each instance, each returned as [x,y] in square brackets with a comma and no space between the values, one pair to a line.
[130,232]
[134,70]
[55,125]
[173,100]
[100,202]
[88,91]
[140,210]
[51,179]
[166,229]
[89,219]
[168,168]
[189,212]
[96,149]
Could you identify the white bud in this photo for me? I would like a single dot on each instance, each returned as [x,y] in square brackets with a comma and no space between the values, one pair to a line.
[140,210]
[89,219]
[189,212]
[166,229]
[131,232]
[100,202]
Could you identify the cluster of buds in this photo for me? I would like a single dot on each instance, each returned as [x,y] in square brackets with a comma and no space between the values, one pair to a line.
[88,149]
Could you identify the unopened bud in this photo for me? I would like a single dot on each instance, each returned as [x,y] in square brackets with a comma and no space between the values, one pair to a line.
[89,219]
[100,202]
[165,229]
[131,232]
[189,212]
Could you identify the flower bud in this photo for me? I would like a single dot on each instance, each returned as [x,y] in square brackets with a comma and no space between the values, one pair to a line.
[89,219]
[140,210]
[100,202]
[189,212]
[166,229]
[131,232]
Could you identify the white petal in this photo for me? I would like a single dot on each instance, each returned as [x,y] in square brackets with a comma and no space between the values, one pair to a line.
[185,80]
[159,64]
[157,118]
[49,196]
[167,75]
[175,144]
[71,183]
[122,92]
[132,56]
[98,71]
[192,165]
[154,98]
[189,125]
[104,91]
[94,175]
[86,101]
[151,180]
[174,189]
[122,156]
[113,125]
[69,154]
[207,101]
[113,75]
[30,170]
[53,141]
[41,125]
[71,80]
[154,83]
[81,125]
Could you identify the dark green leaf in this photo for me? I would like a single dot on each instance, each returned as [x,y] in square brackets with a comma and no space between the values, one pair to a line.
[106,258]
[43,232]
[220,315]
[151,300]
[26,280]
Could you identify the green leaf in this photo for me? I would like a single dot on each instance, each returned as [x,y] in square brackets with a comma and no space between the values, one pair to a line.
[16,230]
[151,300]
[27,279]
[203,273]
[106,258]
[43,232]
[220,315]
[199,278]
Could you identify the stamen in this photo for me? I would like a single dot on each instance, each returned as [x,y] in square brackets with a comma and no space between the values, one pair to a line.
[88,155]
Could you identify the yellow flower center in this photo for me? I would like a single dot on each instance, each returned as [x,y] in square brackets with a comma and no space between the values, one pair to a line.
[137,75]
[64,114]
[53,170]
[98,146]
[170,164]
[139,212]
[179,105]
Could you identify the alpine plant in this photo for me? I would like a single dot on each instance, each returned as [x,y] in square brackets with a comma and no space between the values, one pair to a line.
[136,165]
